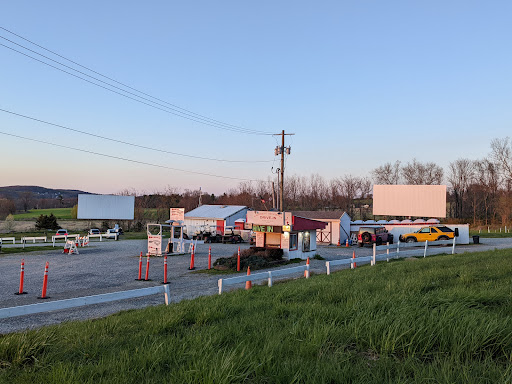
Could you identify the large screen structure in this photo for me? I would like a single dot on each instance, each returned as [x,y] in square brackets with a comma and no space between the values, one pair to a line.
[409,200]
[105,207]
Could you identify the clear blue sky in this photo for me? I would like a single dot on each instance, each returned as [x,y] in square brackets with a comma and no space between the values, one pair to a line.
[360,83]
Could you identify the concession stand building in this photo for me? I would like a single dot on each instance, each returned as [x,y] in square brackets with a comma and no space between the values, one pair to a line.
[295,235]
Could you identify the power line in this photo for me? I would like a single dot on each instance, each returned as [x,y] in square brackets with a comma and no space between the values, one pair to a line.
[125,159]
[132,144]
[118,82]
[132,98]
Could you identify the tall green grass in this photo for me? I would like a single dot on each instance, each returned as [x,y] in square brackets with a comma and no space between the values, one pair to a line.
[444,319]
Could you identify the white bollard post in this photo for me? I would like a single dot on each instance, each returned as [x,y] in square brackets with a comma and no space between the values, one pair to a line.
[328,266]
[387,252]
[426,247]
[220,286]
[488,230]
[397,249]
[453,246]
[374,253]
[307,271]
[479,231]
[269,279]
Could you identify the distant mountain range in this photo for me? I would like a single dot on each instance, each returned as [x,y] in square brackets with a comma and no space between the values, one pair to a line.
[16,191]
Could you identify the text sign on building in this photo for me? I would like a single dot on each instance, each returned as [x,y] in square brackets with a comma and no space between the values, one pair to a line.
[266,228]
[269,218]
[177,214]
[260,239]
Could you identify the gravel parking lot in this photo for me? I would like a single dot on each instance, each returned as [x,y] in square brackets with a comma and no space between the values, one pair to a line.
[112,266]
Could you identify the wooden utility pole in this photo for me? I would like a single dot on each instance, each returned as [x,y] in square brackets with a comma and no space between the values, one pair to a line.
[281,150]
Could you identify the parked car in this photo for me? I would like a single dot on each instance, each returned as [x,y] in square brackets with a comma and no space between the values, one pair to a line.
[94,231]
[113,233]
[61,232]
[370,235]
[437,232]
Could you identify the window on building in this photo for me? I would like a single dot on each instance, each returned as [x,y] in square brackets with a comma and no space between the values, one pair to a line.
[294,241]
[273,240]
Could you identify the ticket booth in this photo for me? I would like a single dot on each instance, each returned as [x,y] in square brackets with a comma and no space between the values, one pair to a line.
[295,235]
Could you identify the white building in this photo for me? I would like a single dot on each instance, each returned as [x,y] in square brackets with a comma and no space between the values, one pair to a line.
[337,229]
[295,235]
[213,218]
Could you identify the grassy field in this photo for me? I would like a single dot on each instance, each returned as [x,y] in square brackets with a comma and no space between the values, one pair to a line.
[493,235]
[60,213]
[444,319]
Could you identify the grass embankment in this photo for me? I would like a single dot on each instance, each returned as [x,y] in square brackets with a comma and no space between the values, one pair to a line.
[444,319]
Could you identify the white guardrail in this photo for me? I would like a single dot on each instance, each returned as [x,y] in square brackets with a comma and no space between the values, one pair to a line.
[65,237]
[82,301]
[401,251]
[33,239]
[269,275]
[4,239]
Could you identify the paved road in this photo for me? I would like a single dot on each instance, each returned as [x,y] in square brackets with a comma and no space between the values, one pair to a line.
[112,266]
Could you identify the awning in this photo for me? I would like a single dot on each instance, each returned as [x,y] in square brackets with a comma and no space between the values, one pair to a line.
[303,224]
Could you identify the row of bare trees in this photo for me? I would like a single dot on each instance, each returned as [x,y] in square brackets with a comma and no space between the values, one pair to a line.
[479,191]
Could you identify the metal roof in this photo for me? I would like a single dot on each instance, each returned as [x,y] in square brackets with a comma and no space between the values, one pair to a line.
[319,215]
[214,211]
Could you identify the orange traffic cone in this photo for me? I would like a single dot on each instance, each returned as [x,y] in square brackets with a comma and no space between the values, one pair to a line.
[339,243]
[248,284]
[353,257]
[346,243]
[305,271]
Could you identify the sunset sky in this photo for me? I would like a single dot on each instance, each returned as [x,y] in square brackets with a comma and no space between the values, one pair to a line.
[360,83]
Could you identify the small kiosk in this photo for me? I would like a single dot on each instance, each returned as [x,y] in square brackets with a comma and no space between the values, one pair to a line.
[176,244]
[295,235]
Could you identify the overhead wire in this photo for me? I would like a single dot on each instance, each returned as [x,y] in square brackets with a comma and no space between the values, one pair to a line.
[118,82]
[130,144]
[126,159]
[154,105]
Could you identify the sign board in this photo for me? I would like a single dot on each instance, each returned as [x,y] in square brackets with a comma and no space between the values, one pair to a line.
[409,200]
[266,228]
[269,218]
[260,239]
[105,207]
[177,214]
[155,245]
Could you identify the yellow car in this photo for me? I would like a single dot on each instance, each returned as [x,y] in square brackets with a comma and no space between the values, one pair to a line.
[438,232]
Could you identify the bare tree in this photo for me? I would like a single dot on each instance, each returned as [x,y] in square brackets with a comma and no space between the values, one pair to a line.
[501,153]
[387,174]
[460,176]
[417,173]
[26,200]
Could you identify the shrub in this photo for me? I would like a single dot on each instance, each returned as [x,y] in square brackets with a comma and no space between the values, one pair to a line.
[256,258]
[47,222]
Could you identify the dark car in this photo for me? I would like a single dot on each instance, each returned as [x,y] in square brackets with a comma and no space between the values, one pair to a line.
[370,235]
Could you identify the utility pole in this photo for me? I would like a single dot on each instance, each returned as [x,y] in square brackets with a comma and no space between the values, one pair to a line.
[281,150]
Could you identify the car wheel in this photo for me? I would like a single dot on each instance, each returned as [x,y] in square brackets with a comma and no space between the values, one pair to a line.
[366,237]
[410,240]
[391,241]
[379,241]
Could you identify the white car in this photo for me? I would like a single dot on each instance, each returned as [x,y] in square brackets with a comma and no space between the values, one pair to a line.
[112,234]
[61,232]
[94,231]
